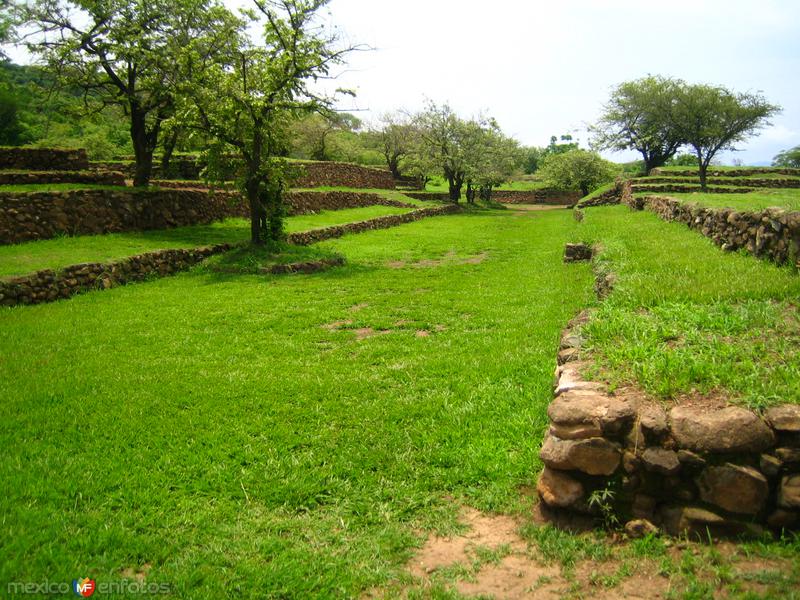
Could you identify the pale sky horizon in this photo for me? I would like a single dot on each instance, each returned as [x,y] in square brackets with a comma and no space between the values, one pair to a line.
[546,68]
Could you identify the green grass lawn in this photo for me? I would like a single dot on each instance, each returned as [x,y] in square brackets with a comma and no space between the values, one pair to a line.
[687,318]
[756,200]
[284,436]
[439,184]
[19,259]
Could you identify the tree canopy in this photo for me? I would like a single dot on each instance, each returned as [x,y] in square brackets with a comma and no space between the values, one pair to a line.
[711,119]
[578,170]
[788,158]
[638,117]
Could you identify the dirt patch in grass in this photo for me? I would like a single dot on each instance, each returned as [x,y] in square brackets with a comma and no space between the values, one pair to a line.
[496,556]
[523,208]
[451,258]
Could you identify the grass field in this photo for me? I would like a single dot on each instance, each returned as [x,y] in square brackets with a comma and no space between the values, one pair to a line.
[20,259]
[757,200]
[686,318]
[284,436]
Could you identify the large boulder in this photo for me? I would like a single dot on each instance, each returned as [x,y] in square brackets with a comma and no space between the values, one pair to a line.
[789,493]
[784,418]
[659,460]
[700,523]
[726,430]
[594,456]
[559,489]
[612,416]
[734,488]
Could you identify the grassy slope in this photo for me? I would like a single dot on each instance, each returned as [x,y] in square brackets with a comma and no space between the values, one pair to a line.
[24,258]
[685,316]
[213,427]
[757,200]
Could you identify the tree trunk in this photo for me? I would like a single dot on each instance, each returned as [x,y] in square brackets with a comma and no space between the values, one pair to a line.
[455,182]
[256,211]
[169,148]
[703,169]
[143,146]
[470,193]
[584,189]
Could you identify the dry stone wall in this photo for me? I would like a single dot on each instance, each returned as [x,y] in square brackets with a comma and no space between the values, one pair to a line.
[770,233]
[674,188]
[313,236]
[301,203]
[337,174]
[43,215]
[49,285]
[43,159]
[743,172]
[749,183]
[686,469]
[621,191]
[44,177]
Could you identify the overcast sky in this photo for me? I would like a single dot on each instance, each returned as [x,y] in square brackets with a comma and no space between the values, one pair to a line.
[546,67]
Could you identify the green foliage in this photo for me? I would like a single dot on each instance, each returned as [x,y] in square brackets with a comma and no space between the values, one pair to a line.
[638,117]
[788,158]
[578,170]
[712,119]
[246,100]
[682,160]
[127,54]
[530,158]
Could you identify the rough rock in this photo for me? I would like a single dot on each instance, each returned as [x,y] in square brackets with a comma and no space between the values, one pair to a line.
[643,506]
[788,456]
[583,407]
[568,355]
[734,488]
[575,432]
[653,421]
[699,523]
[789,493]
[659,460]
[569,378]
[559,489]
[594,456]
[727,430]
[691,460]
[782,518]
[639,528]
[769,465]
[784,418]
[577,252]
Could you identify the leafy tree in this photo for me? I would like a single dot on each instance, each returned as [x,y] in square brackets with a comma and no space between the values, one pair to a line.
[577,170]
[315,135]
[491,158]
[788,158]
[531,158]
[442,140]
[712,119]
[555,148]
[638,117]
[394,138]
[682,160]
[245,102]
[125,53]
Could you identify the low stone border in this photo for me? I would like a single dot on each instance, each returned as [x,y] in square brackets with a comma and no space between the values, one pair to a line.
[302,203]
[43,159]
[772,233]
[621,192]
[49,285]
[685,469]
[750,183]
[743,172]
[554,197]
[671,188]
[44,177]
[311,266]
[304,238]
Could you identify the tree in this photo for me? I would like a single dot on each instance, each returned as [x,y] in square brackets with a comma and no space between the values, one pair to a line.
[441,144]
[247,101]
[531,158]
[788,158]
[313,134]
[712,119]
[577,170]
[6,25]
[126,53]
[637,117]
[394,139]
[491,158]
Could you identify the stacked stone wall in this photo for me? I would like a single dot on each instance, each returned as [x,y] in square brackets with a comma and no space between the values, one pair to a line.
[43,159]
[687,469]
